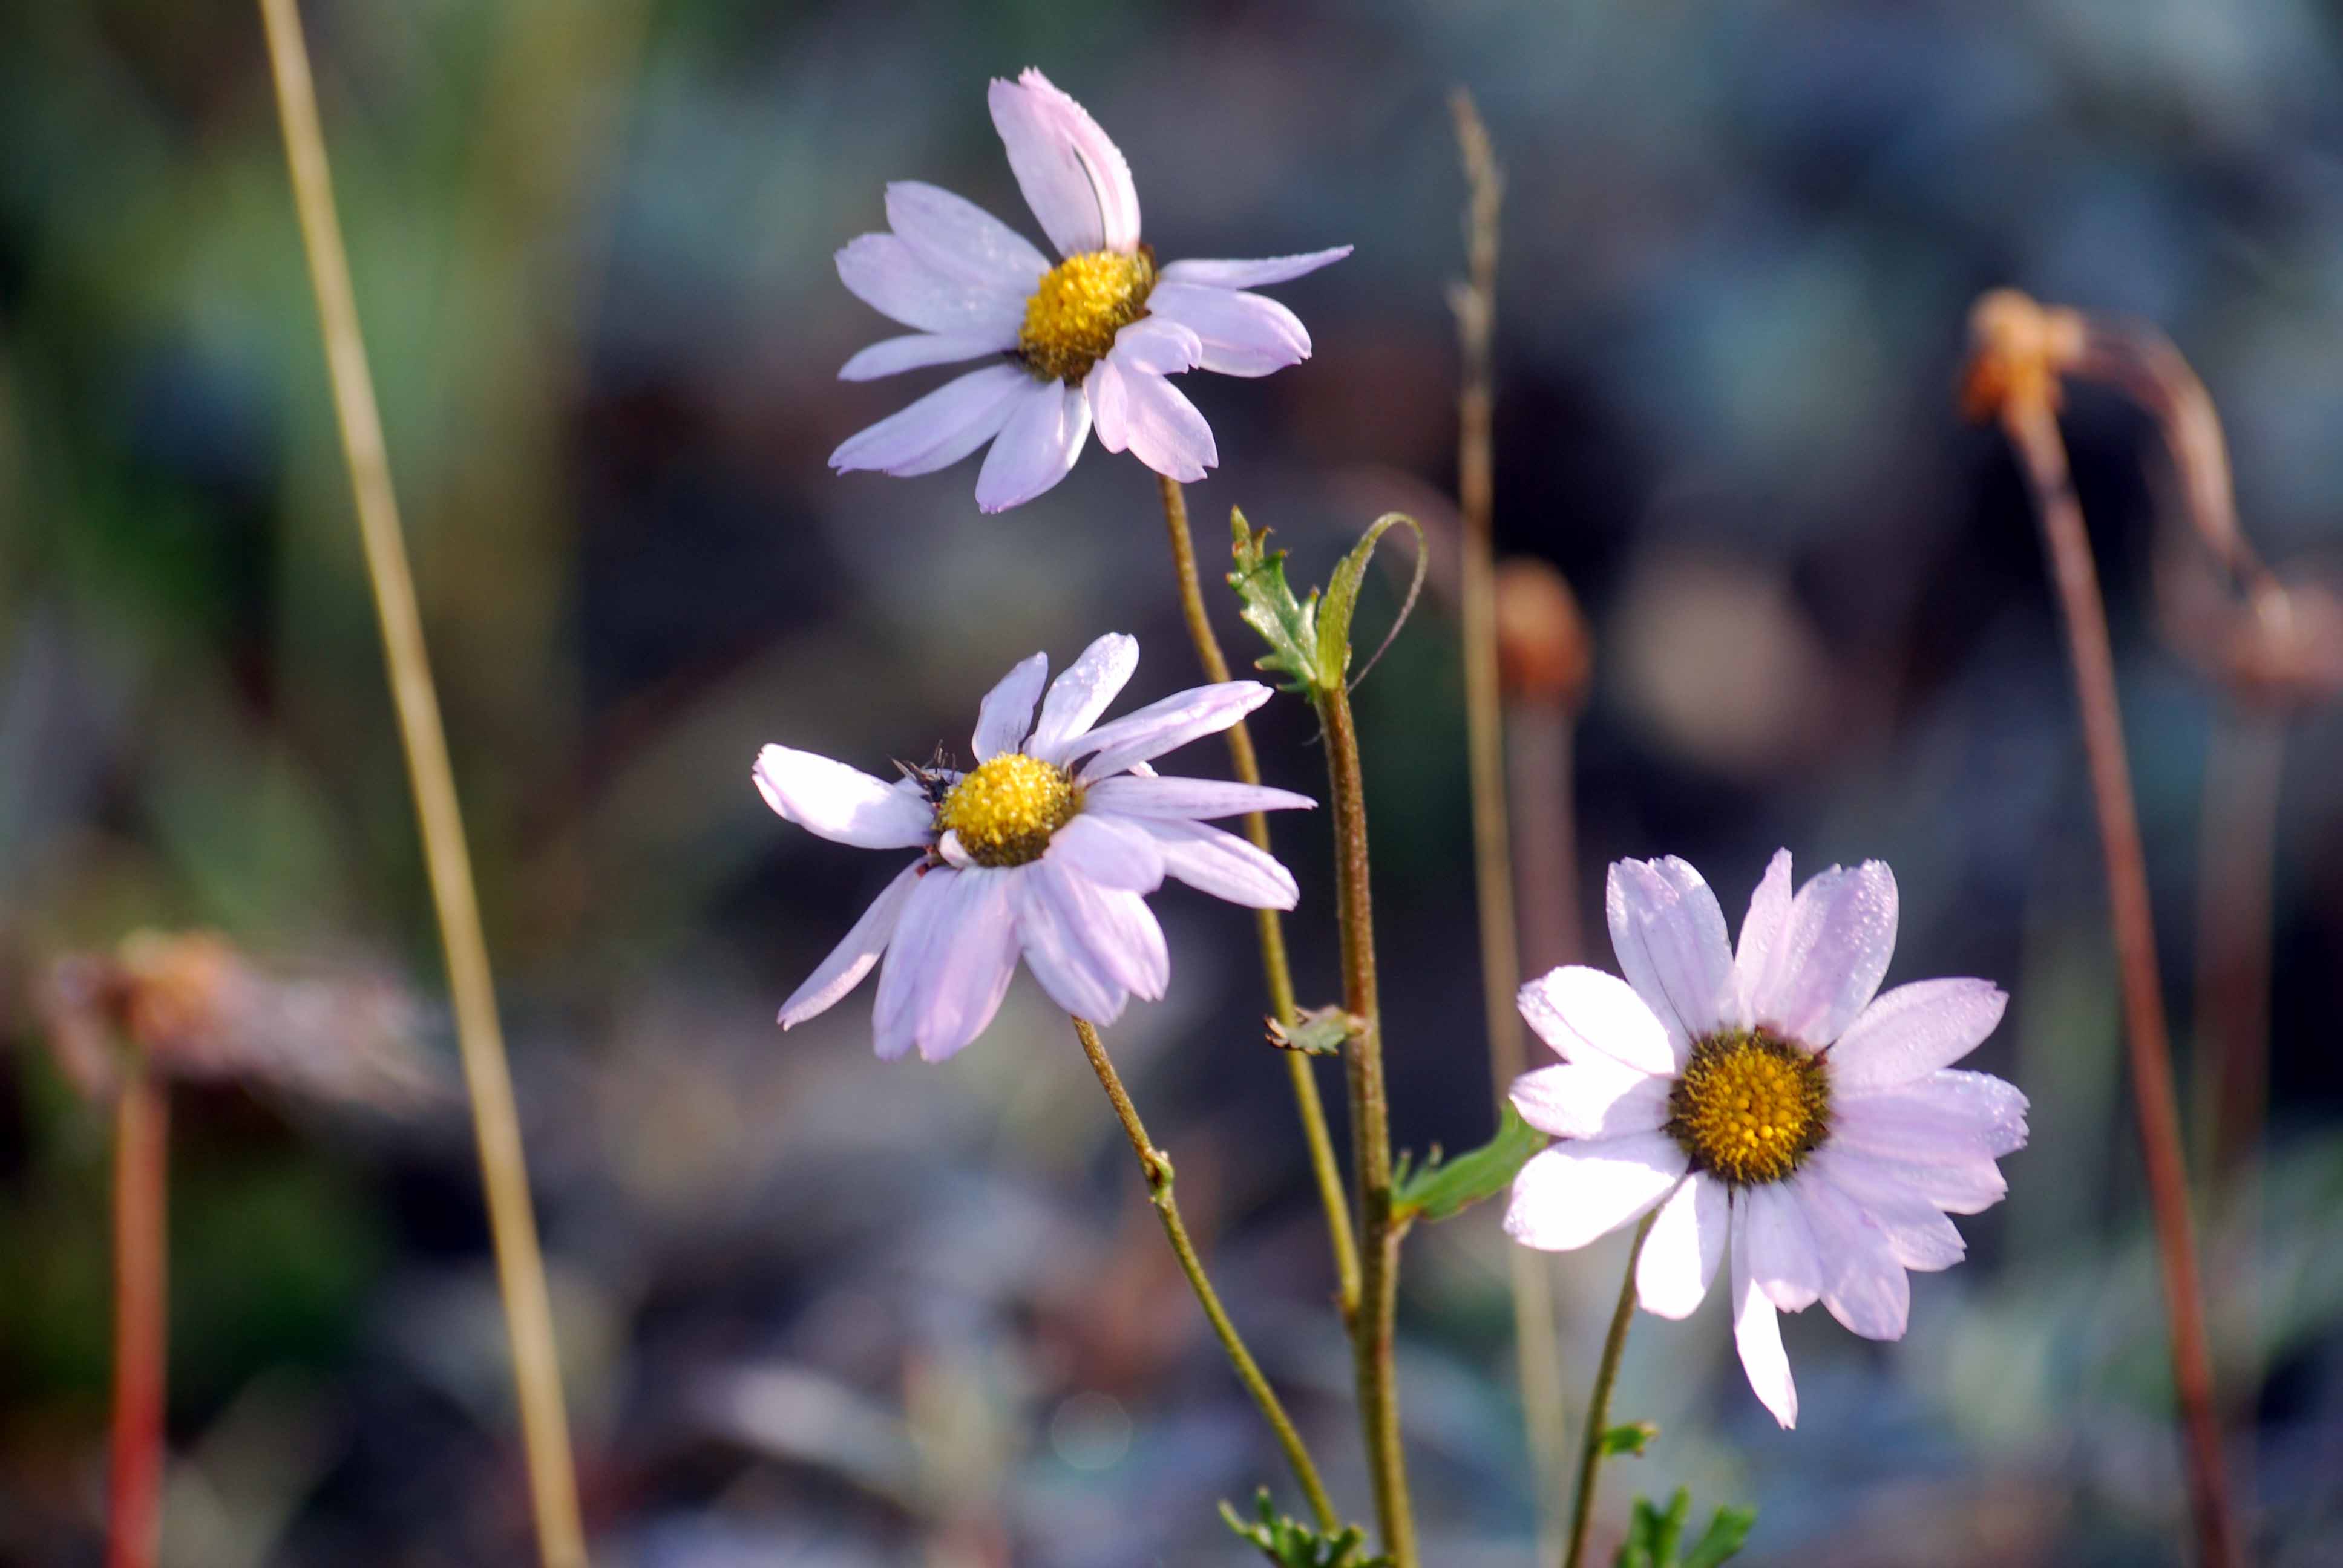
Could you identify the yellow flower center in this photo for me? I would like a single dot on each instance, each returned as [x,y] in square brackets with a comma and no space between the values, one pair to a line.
[1082,302]
[1749,1107]
[1005,811]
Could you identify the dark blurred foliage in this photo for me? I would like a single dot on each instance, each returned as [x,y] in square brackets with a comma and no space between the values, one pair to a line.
[821,1310]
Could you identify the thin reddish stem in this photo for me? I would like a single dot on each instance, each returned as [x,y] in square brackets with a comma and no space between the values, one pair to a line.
[142,1141]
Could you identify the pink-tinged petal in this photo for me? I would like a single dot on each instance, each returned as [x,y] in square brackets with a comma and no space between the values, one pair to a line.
[940,428]
[1949,1117]
[1242,334]
[842,804]
[892,355]
[1571,1193]
[886,274]
[1167,725]
[1591,1097]
[1074,177]
[1681,1254]
[1154,418]
[1826,964]
[849,962]
[958,239]
[1036,447]
[1966,1188]
[1159,345]
[1769,911]
[1117,928]
[1006,712]
[909,965]
[1061,962]
[1197,799]
[1863,1286]
[1222,864]
[1911,1031]
[1112,853]
[1669,936]
[975,954]
[1253,274]
[1917,1234]
[1577,1009]
[1782,1257]
[1757,1335]
[1080,694]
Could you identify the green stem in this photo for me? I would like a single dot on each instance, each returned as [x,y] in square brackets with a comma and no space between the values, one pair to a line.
[1598,1403]
[1373,1336]
[1156,1167]
[1270,926]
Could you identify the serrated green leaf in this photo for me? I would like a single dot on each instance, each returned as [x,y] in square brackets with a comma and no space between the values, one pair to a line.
[1334,644]
[1630,1438]
[1288,625]
[1290,1543]
[1722,1538]
[1653,1535]
[1446,1187]
[1316,1032]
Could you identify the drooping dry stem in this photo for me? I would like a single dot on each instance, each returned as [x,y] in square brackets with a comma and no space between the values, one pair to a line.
[1598,1403]
[1275,968]
[142,1143]
[1537,1366]
[2032,429]
[1373,1338]
[1156,1167]
[520,1269]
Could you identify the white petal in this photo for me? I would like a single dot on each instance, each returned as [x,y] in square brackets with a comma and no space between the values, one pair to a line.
[1223,865]
[1918,1235]
[1911,1031]
[1863,1286]
[1591,1097]
[1037,445]
[1680,1255]
[1253,274]
[1060,960]
[1761,928]
[1782,1256]
[1949,1117]
[1577,1009]
[1757,1334]
[1168,725]
[1968,1187]
[849,962]
[1669,936]
[904,977]
[975,954]
[885,273]
[1198,799]
[1112,853]
[1080,694]
[1574,1192]
[1240,334]
[1142,411]
[842,804]
[1157,344]
[1832,950]
[890,355]
[1118,928]
[940,428]
[1006,712]
[1074,178]
[958,239]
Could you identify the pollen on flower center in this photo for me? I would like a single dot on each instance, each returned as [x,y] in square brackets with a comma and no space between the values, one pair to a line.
[1082,302]
[1748,1107]
[1005,810]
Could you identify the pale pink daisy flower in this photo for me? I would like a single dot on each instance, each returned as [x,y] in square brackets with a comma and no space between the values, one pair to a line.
[1087,341]
[1763,1093]
[1046,847]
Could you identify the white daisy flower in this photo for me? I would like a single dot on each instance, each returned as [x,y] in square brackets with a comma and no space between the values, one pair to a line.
[1763,1093]
[1046,847]
[1087,341]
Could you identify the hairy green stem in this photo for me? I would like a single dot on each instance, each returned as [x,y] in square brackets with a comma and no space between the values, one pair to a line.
[1268,922]
[1374,1329]
[1156,1167]
[1598,1403]
[512,1224]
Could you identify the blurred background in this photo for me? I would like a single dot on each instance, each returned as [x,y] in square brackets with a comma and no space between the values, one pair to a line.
[821,1310]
